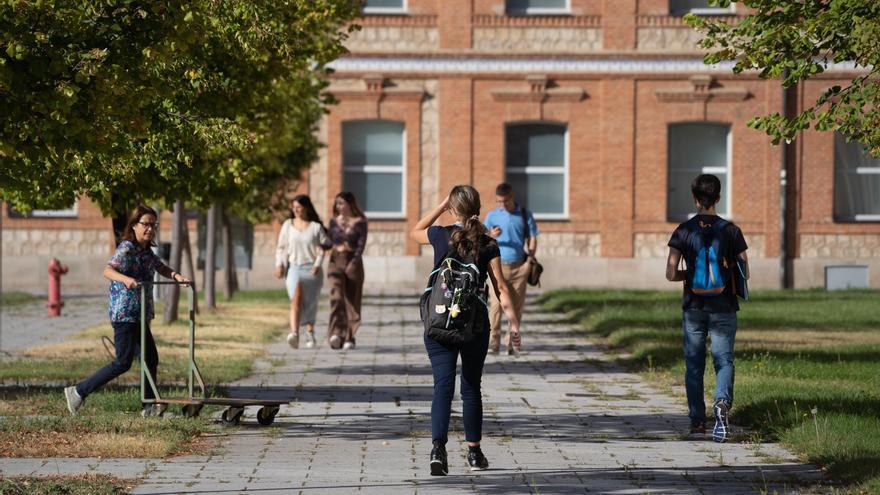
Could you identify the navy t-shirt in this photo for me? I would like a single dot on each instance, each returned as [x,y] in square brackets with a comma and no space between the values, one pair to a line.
[733,237]
[439,239]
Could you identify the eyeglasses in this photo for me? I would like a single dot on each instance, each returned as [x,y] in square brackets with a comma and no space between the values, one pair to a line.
[150,225]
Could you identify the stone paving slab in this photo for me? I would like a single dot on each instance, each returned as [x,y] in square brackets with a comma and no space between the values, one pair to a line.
[560,418]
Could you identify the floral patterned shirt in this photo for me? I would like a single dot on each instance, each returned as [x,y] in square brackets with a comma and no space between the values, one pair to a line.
[140,264]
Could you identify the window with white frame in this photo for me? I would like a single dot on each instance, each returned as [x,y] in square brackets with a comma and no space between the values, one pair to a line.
[536,165]
[538,7]
[373,165]
[856,182]
[69,212]
[694,149]
[699,7]
[384,7]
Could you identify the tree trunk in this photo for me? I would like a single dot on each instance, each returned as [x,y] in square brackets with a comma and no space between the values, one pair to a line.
[229,284]
[172,299]
[210,256]
[190,266]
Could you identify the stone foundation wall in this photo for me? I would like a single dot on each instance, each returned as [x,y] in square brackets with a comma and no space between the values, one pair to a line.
[430,127]
[557,40]
[653,245]
[840,246]
[385,243]
[393,39]
[679,39]
[568,244]
[56,242]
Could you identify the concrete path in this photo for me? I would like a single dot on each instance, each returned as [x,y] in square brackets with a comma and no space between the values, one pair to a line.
[560,418]
[27,325]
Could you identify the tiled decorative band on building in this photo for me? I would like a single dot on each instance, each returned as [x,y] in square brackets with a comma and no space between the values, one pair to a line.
[496,66]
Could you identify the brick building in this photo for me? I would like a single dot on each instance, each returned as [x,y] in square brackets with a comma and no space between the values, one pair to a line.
[599,112]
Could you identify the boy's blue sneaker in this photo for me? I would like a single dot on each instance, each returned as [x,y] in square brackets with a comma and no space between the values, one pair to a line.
[721,432]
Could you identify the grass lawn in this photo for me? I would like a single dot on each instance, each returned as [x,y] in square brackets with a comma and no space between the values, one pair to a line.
[16,298]
[808,366]
[228,340]
[66,485]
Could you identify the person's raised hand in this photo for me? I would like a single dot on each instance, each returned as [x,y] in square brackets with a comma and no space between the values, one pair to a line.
[495,232]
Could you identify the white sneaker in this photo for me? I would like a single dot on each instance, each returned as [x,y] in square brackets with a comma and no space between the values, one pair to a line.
[74,401]
[293,340]
[335,342]
[310,340]
[348,345]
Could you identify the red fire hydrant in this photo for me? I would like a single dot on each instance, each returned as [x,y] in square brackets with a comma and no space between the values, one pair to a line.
[56,270]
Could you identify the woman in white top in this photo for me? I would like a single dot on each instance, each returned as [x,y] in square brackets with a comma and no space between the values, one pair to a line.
[301,247]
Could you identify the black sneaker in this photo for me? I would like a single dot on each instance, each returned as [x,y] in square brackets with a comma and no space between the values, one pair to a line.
[476,460]
[439,465]
[698,429]
[721,432]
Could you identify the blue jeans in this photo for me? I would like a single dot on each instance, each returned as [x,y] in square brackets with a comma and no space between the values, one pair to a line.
[722,329]
[127,339]
[443,364]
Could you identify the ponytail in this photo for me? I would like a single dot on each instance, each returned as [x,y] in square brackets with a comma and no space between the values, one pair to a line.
[470,239]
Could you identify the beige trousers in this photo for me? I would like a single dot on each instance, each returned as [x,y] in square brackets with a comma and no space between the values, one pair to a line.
[516,275]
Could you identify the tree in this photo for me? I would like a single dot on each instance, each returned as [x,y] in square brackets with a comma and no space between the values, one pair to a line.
[127,100]
[795,40]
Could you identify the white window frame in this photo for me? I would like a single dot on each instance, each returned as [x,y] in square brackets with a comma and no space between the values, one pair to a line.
[367,169]
[540,10]
[858,217]
[730,9]
[712,169]
[867,217]
[544,170]
[62,213]
[385,10]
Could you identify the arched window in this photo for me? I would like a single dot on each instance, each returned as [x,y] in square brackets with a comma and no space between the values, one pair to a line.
[856,182]
[538,7]
[699,7]
[373,159]
[694,149]
[536,165]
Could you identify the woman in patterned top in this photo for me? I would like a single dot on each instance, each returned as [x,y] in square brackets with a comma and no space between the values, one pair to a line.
[133,263]
[348,235]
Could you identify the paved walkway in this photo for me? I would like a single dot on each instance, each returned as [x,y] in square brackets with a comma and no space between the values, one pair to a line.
[27,325]
[561,418]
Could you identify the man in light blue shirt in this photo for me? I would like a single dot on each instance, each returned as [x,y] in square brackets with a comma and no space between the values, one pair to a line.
[514,227]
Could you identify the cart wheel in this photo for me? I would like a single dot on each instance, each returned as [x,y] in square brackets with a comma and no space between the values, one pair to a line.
[232,416]
[266,415]
[191,410]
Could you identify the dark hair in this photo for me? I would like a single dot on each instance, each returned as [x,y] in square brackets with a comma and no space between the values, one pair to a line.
[349,198]
[503,189]
[706,189]
[306,202]
[135,217]
[471,238]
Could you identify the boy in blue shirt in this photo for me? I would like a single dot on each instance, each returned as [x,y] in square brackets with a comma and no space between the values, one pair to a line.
[704,313]
[516,232]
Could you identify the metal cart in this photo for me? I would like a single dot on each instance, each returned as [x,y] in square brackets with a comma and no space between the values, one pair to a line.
[192,404]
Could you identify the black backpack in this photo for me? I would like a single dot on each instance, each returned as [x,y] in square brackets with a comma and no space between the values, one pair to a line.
[453,301]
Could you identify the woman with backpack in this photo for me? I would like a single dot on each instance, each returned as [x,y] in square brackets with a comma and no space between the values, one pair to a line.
[457,319]
[133,263]
[300,251]
[348,236]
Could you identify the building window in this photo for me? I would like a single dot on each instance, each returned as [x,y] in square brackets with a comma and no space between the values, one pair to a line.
[69,212]
[856,182]
[538,7]
[373,162]
[696,149]
[699,7]
[536,164]
[384,7]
